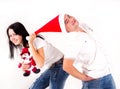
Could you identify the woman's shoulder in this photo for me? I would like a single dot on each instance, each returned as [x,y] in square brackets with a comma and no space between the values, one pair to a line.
[39,42]
[37,39]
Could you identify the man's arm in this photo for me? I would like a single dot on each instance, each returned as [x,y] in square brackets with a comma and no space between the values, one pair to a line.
[69,68]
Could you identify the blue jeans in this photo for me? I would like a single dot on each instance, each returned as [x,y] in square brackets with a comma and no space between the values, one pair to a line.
[105,82]
[54,77]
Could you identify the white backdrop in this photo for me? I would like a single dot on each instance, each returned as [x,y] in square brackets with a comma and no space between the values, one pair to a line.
[102,15]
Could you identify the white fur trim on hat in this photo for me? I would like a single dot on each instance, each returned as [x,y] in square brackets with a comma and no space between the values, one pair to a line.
[61,22]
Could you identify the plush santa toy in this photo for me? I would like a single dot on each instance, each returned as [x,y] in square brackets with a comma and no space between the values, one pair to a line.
[28,59]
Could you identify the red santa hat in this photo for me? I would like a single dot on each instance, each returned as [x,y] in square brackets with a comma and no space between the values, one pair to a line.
[25,50]
[54,25]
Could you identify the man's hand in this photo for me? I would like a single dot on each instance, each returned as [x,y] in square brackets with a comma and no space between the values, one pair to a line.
[88,78]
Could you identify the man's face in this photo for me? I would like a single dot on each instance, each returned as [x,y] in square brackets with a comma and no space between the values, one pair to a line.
[70,23]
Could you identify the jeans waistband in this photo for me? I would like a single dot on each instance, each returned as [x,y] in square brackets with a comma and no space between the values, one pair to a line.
[58,62]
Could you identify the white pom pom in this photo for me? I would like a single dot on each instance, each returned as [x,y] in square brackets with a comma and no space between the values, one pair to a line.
[27,38]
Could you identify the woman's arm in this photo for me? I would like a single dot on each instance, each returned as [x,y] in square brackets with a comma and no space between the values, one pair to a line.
[38,55]
[69,68]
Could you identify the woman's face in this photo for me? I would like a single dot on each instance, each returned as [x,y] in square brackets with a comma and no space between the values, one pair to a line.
[71,24]
[15,38]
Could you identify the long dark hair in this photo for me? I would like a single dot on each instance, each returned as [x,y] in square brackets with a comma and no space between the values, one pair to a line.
[19,29]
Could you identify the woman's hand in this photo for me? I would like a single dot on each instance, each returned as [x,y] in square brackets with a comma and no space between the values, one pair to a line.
[31,38]
[25,66]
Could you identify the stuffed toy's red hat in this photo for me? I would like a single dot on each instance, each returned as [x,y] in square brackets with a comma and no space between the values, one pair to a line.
[54,25]
[25,50]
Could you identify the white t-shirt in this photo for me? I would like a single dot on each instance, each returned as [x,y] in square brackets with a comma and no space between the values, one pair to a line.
[87,53]
[51,53]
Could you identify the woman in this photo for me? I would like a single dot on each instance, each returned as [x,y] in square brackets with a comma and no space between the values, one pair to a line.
[95,69]
[44,54]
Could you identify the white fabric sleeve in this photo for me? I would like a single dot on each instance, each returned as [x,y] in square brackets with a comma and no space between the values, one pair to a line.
[38,43]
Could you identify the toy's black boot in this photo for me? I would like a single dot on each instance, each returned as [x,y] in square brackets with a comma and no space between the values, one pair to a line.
[26,73]
[35,70]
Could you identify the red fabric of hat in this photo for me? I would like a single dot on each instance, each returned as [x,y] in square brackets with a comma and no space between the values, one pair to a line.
[51,26]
